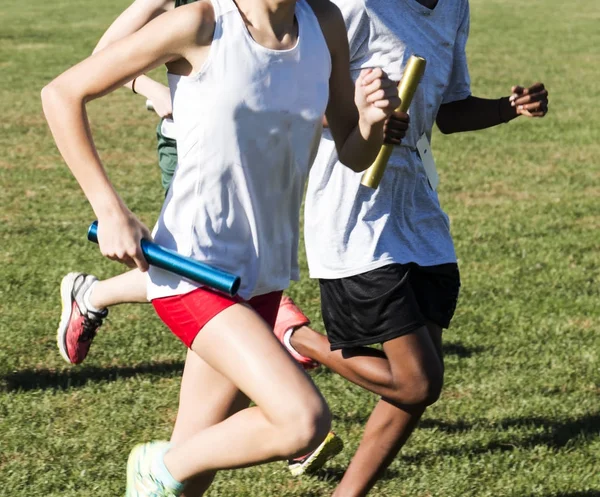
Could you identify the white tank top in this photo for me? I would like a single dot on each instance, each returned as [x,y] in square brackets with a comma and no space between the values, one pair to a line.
[248,127]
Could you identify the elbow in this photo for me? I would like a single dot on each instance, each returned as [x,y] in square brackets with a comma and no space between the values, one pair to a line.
[49,94]
[46,92]
[444,126]
[360,168]
[352,163]
[52,91]
[56,96]
[52,99]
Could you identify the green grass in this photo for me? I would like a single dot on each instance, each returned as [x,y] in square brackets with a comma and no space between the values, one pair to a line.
[520,414]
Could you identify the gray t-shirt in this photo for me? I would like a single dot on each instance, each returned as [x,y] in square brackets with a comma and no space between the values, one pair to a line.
[349,228]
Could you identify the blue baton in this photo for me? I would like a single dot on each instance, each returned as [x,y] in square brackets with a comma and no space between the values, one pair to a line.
[184,266]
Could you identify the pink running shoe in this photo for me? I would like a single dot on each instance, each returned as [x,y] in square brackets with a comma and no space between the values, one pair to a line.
[289,318]
[78,324]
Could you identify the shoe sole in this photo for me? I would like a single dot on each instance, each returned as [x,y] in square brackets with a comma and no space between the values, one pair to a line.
[331,447]
[137,454]
[131,469]
[66,290]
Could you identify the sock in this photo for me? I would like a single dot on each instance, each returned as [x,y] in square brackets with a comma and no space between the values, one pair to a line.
[86,299]
[287,339]
[161,473]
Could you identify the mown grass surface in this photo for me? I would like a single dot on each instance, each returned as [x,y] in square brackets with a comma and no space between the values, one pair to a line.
[520,414]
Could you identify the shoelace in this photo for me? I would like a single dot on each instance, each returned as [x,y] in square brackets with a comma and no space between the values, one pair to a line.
[90,326]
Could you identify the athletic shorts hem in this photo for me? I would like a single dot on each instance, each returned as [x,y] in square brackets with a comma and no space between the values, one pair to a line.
[382,338]
[387,302]
[441,320]
[335,274]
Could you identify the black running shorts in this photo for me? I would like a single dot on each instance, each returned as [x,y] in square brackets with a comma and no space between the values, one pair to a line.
[388,302]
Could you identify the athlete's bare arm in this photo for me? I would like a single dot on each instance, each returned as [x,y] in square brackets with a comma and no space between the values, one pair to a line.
[136,16]
[132,19]
[355,113]
[184,33]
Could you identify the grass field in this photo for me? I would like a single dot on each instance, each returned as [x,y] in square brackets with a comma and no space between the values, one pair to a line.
[520,414]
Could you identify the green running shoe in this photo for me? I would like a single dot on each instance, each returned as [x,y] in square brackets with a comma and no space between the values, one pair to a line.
[142,480]
[315,460]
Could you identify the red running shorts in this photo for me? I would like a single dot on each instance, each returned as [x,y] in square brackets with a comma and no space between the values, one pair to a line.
[187,314]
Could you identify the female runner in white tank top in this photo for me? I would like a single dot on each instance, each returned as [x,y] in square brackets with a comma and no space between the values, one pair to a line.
[253,80]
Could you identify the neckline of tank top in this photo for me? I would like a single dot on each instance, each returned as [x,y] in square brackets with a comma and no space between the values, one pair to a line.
[195,75]
[421,9]
[261,47]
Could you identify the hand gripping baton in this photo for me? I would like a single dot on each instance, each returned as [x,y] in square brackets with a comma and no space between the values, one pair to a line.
[406,90]
[184,266]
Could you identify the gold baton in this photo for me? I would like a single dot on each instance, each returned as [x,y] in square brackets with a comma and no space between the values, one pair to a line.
[406,90]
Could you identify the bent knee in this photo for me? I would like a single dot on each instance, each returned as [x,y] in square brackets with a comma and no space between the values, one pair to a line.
[421,391]
[305,429]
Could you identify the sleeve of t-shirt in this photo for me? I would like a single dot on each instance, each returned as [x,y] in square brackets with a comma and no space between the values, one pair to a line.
[459,86]
[357,25]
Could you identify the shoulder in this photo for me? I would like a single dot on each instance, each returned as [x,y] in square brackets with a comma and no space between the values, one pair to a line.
[332,23]
[326,11]
[155,6]
[193,21]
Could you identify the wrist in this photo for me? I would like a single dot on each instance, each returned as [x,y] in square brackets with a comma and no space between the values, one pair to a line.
[140,86]
[370,130]
[107,205]
[506,112]
[152,90]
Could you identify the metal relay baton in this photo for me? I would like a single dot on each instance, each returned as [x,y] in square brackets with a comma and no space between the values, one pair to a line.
[406,90]
[184,266]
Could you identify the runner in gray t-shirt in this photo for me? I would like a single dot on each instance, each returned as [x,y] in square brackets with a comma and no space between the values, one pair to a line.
[385,258]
